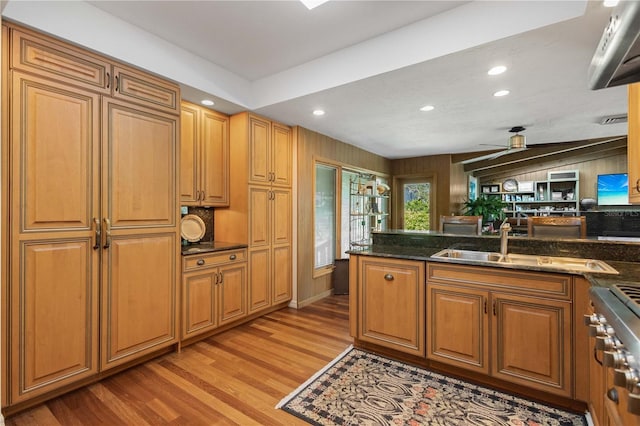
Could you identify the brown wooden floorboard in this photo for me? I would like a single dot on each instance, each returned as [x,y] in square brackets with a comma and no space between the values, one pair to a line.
[234,378]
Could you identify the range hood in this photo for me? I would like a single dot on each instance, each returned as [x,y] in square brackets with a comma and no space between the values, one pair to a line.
[617,58]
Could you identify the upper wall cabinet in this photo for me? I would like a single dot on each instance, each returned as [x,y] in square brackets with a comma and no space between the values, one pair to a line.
[271,155]
[204,161]
[633,144]
[37,54]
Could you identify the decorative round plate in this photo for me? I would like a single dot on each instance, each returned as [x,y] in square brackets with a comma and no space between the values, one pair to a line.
[192,228]
[510,185]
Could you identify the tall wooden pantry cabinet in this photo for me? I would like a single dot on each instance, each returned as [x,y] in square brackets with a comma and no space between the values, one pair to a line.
[260,208]
[92,241]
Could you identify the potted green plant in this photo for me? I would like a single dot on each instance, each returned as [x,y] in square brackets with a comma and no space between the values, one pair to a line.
[491,208]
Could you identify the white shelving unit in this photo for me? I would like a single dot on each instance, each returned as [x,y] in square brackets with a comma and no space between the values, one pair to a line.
[558,195]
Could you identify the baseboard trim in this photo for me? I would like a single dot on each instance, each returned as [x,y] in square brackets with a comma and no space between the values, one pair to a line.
[303,303]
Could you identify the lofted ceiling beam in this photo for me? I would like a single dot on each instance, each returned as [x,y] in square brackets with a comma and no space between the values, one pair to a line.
[543,153]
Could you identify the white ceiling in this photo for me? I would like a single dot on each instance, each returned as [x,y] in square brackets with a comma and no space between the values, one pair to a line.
[370,64]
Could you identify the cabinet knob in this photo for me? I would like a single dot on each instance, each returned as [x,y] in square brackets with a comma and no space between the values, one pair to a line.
[638,185]
[388,277]
[200,262]
[232,257]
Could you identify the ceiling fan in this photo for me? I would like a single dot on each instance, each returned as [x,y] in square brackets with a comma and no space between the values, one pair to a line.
[517,143]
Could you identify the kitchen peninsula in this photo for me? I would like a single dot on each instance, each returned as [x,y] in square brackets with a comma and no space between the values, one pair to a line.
[515,327]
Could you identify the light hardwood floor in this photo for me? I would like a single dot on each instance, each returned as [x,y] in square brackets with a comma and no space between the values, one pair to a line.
[236,377]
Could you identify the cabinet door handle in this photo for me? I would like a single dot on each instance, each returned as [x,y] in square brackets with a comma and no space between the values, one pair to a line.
[107,233]
[221,278]
[638,185]
[485,306]
[108,80]
[117,83]
[200,262]
[388,277]
[216,279]
[494,308]
[96,246]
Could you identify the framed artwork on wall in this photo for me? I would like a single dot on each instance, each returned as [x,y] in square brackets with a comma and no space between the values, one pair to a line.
[473,188]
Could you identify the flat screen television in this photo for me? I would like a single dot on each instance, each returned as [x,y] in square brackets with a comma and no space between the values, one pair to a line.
[613,189]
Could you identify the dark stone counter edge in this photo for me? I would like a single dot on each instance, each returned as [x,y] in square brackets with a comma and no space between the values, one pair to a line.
[628,272]
[210,247]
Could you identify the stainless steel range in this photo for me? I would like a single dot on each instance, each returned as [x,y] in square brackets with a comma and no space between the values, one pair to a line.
[616,327]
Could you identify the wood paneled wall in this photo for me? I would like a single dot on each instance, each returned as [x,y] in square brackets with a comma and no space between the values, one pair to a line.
[451,181]
[310,146]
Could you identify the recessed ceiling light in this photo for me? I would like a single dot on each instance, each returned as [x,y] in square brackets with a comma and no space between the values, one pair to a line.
[610,3]
[497,70]
[318,112]
[313,3]
[501,93]
[427,108]
[207,102]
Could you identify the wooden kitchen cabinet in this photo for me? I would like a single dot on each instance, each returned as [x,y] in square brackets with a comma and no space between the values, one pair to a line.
[271,159]
[204,157]
[139,282]
[508,324]
[93,219]
[458,326]
[391,303]
[270,278]
[214,291]
[633,143]
[260,207]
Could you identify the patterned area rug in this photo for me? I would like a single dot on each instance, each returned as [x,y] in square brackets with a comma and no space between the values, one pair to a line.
[361,388]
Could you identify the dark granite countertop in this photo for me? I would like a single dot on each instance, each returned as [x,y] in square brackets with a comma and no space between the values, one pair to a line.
[207,247]
[621,256]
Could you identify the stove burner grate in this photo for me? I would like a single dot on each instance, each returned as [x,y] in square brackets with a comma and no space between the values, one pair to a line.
[629,295]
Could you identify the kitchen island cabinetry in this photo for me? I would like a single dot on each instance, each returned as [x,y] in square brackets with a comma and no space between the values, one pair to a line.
[204,157]
[512,325]
[390,296]
[214,290]
[260,208]
[633,144]
[93,217]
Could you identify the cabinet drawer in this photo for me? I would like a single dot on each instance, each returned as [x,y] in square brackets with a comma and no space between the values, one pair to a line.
[532,283]
[59,61]
[209,260]
[145,89]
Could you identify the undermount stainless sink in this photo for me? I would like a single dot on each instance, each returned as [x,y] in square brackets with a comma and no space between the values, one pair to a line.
[565,264]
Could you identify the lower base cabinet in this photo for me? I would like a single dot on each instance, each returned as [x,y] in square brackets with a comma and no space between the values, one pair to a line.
[214,290]
[512,325]
[391,303]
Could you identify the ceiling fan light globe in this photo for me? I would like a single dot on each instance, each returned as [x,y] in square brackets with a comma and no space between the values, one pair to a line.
[517,142]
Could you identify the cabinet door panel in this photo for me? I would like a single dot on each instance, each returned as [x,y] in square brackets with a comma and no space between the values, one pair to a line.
[54,316]
[282,281]
[138,296]
[59,61]
[142,88]
[260,207]
[141,170]
[215,159]
[189,155]
[199,312]
[260,144]
[281,216]
[259,279]
[282,155]
[55,139]
[458,327]
[392,304]
[532,342]
[232,292]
